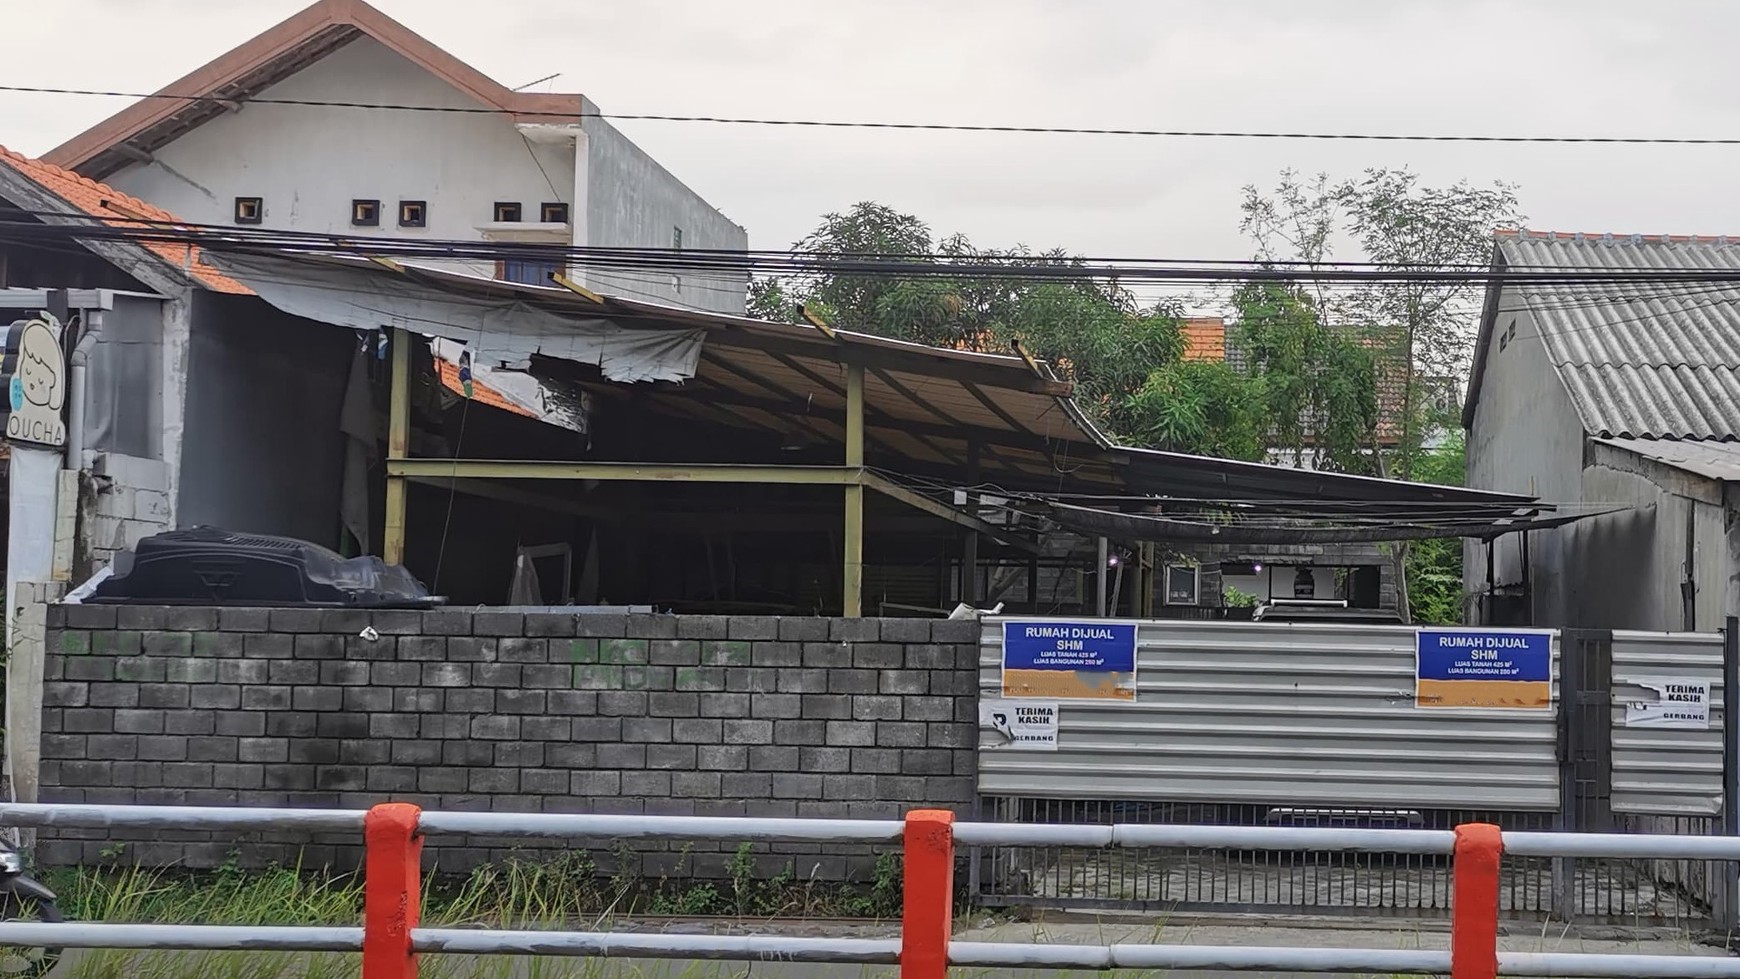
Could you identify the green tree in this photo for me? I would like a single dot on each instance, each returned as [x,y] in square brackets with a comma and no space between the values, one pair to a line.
[1421,331]
[1304,383]
[1401,223]
[768,300]
[1093,331]
[1318,384]
[1435,566]
[1201,406]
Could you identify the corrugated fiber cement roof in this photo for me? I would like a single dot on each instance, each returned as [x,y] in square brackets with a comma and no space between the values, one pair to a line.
[1640,360]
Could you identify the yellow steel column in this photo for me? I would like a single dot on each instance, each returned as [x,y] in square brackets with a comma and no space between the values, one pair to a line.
[852,604]
[398,445]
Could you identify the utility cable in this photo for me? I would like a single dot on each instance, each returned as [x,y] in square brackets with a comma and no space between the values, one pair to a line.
[1302,269]
[893,125]
[235,240]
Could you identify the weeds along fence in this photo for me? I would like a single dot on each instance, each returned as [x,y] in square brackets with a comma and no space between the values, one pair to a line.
[391,938]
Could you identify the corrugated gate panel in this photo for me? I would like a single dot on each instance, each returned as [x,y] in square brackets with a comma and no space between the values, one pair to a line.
[1658,771]
[1317,715]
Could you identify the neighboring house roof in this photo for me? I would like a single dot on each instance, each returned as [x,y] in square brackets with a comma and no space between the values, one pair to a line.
[98,200]
[481,393]
[280,52]
[1205,342]
[1204,338]
[1650,360]
[89,198]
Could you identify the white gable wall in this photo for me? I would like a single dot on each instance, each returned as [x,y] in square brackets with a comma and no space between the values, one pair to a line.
[309,163]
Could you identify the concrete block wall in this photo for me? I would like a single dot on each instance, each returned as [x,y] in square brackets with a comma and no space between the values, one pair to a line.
[127,500]
[501,711]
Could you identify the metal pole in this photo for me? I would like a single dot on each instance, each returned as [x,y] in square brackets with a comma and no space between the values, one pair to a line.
[1100,582]
[1571,666]
[1491,585]
[1730,766]
[969,572]
[852,599]
[398,447]
[1149,571]
[1528,580]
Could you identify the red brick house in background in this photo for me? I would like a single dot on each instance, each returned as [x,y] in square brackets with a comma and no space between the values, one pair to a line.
[1363,574]
[1209,338]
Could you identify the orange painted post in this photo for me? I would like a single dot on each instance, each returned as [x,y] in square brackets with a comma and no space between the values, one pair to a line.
[1474,902]
[392,890]
[928,894]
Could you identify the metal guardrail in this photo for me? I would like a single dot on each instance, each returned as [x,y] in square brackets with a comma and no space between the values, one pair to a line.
[391,940]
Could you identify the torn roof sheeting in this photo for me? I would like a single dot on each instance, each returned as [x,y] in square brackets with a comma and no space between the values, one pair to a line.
[927,409]
[496,329]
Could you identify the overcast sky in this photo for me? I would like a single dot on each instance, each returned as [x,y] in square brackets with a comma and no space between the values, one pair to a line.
[1547,67]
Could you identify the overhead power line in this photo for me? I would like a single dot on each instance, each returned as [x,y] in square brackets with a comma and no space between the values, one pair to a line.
[897,125]
[261,241]
[1304,269]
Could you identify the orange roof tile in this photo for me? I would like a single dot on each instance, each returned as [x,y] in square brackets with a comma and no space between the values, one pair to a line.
[1204,338]
[480,392]
[122,210]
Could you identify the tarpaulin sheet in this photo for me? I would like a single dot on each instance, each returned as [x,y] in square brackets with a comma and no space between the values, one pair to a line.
[497,330]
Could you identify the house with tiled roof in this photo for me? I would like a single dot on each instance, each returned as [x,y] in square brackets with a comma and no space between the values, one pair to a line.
[341,120]
[1361,573]
[192,400]
[1615,394]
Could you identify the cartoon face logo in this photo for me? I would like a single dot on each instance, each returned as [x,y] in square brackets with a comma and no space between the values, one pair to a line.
[39,379]
[37,388]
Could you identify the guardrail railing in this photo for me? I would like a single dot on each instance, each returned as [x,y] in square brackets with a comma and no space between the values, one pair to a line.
[391,938]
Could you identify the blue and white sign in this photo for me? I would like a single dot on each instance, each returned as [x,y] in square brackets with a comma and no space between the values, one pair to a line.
[1483,668]
[1092,659]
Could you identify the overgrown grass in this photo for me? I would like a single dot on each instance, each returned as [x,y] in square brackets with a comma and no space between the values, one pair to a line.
[567,893]
[515,893]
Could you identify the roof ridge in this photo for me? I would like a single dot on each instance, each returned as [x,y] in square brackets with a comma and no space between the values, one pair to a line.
[1613,237]
[317,24]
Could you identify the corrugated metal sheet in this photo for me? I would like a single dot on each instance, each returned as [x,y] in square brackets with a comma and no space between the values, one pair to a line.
[1665,772]
[1280,714]
[1644,360]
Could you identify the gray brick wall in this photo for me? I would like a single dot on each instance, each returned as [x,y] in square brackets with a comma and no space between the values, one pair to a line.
[495,710]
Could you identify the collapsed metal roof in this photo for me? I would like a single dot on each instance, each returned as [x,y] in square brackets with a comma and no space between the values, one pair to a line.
[927,410]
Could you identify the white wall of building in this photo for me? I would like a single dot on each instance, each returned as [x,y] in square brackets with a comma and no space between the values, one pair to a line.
[309,162]
[633,202]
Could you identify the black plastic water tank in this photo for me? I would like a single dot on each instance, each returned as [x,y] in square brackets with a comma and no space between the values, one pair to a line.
[208,566]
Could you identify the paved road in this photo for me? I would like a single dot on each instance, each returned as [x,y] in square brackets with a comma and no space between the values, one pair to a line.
[1399,935]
